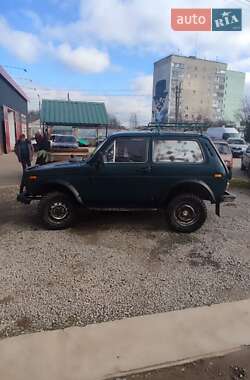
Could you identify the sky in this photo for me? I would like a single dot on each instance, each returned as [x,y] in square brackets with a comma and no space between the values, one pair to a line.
[104,50]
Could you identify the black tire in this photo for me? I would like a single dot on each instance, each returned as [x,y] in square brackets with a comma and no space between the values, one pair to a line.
[243,168]
[186,213]
[57,211]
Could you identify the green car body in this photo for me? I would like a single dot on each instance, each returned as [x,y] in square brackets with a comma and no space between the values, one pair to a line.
[138,170]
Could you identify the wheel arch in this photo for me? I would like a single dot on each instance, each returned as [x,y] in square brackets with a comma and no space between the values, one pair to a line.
[64,187]
[198,188]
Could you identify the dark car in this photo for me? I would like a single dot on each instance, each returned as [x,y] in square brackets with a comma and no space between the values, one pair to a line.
[173,172]
[63,142]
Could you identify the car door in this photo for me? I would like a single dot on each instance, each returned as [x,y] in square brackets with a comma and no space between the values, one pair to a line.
[174,160]
[122,180]
[246,157]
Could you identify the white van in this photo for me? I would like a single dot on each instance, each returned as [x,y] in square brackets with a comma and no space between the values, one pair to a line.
[222,133]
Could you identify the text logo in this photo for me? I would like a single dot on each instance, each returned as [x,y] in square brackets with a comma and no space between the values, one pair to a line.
[192,19]
[227,20]
[206,19]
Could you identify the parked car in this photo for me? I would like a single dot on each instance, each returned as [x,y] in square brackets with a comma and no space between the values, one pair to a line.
[173,172]
[63,142]
[225,152]
[238,146]
[245,160]
[222,133]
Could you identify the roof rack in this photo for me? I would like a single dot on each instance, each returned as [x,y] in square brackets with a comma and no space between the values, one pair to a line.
[181,126]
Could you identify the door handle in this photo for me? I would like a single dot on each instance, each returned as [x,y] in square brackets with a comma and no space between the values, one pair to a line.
[144,170]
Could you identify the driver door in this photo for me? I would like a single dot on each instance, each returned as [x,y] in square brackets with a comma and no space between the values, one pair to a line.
[122,180]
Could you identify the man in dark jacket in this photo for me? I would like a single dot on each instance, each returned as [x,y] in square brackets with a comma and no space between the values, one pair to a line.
[24,151]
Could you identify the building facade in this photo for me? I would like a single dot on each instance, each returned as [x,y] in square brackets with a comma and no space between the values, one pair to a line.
[13,112]
[194,90]
[233,95]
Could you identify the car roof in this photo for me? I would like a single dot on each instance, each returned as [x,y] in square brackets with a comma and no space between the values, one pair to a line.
[157,134]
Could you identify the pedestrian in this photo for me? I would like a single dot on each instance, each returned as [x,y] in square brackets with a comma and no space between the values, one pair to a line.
[24,151]
[43,147]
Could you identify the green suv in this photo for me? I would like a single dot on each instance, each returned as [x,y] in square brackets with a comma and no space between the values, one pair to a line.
[173,172]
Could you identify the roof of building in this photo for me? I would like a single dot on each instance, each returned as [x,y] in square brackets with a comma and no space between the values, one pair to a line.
[193,57]
[60,112]
[13,84]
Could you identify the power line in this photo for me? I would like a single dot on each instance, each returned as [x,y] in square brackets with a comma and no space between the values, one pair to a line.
[15,68]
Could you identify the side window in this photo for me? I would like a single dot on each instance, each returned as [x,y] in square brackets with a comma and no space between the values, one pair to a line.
[127,150]
[177,151]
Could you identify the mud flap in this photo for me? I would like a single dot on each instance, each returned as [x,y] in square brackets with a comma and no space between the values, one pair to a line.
[217,208]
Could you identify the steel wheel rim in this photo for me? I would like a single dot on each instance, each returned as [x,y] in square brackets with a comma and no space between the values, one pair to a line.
[58,211]
[186,214]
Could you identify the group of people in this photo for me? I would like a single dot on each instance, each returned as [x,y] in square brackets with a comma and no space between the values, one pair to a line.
[25,150]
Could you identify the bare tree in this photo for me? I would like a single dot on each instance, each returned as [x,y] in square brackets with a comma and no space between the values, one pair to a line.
[243,114]
[133,121]
[113,121]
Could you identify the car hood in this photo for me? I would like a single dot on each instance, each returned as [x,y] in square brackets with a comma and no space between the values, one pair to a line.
[55,166]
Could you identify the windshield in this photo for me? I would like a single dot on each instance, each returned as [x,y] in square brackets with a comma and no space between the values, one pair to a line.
[236,141]
[223,148]
[64,139]
[96,149]
[228,135]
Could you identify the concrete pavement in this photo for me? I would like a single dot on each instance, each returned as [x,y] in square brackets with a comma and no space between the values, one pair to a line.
[10,170]
[112,349]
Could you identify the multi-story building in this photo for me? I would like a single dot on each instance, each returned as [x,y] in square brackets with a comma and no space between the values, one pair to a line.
[193,89]
[233,95]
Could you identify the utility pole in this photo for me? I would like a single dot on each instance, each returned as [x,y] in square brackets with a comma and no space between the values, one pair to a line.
[178,90]
[39,110]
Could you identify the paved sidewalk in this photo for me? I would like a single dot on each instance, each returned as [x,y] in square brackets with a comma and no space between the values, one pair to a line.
[116,348]
[10,170]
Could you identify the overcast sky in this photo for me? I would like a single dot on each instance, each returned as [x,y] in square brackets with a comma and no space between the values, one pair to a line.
[105,49]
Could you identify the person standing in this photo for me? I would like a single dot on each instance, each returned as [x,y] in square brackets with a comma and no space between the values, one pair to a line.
[24,151]
[43,147]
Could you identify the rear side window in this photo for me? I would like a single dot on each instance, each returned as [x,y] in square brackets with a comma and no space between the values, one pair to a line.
[127,150]
[188,151]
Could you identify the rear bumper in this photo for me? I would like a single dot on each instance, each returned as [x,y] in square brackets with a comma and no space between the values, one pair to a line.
[26,198]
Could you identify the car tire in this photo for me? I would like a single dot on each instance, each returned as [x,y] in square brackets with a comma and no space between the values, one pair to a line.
[243,168]
[57,211]
[186,213]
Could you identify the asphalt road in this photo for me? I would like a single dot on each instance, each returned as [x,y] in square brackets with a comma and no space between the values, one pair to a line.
[234,366]
[116,265]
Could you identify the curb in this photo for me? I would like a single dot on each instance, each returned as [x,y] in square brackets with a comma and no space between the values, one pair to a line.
[113,349]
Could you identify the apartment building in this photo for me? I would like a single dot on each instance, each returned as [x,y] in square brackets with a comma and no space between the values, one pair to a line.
[193,89]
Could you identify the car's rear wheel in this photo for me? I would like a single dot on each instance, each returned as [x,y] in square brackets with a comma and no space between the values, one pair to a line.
[57,211]
[186,213]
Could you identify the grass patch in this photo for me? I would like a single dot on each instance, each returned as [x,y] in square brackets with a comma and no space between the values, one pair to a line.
[240,183]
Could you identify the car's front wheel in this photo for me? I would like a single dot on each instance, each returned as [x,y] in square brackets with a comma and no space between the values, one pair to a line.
[186,213]
[57,211]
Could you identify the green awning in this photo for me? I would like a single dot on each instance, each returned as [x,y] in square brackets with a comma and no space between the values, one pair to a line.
[75,114]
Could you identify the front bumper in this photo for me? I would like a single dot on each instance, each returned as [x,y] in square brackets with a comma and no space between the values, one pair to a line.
[228,197]
[26,198]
